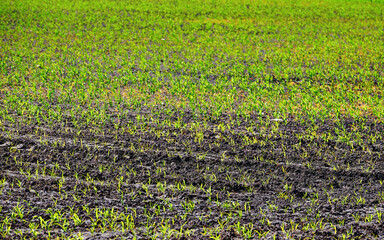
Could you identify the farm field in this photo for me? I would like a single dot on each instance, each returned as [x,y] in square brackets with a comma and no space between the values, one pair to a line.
[176,119]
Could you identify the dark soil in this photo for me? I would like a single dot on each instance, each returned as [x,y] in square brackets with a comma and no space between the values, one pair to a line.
[283,185]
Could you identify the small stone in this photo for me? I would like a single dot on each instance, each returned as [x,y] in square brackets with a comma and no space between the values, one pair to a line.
[6,144]
[19,146]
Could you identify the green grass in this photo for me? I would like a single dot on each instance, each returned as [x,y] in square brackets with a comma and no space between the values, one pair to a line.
[320,59]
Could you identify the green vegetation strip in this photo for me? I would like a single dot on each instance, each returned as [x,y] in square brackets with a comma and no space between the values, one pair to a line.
[313,60]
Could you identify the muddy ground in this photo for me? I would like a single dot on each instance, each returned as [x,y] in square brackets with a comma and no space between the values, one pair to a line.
[165,184]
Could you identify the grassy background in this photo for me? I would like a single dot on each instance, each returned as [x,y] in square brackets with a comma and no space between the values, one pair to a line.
[314,60]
